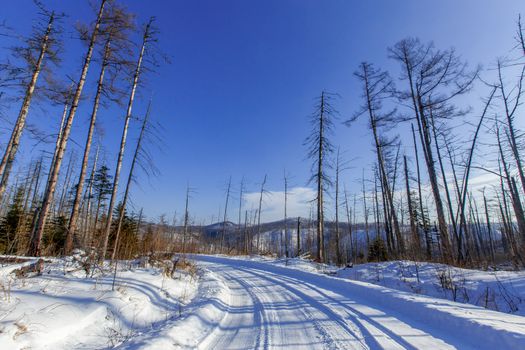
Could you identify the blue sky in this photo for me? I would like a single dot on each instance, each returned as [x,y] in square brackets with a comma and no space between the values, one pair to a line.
[243,79]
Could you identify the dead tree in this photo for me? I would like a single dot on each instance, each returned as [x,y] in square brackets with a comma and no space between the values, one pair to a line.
[239,222]
[434,79]
[88,200]
[298,233]
[349,223]
[285,216]
[466,176]
[416,243]
[223,233]
[445,181]
[263,191]
[428,239]
[366,212]
[338,169]
[124,202]
[146,39]
[39,46]
[53,175]
[320,149]
[115,27]
[186,219]
[511,186]
[377,86]
[511,104]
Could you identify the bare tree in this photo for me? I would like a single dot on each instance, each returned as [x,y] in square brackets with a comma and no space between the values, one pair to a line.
[223,233]
[239,223]
[186,219]
[320,149]
[377,86]
[39,46]
[434,79]
[416,244]
[263,191]
[338,169]
[53,175]
[466,176]
[130,178]
[286,239]
[115,27]
[146,39]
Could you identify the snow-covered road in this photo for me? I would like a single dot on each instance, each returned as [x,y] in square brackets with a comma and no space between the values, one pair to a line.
[255,305]
[236,303]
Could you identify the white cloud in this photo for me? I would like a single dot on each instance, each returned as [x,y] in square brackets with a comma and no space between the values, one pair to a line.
[298,204]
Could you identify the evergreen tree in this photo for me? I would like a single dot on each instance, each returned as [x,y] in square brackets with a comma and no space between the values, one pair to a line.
[10,224]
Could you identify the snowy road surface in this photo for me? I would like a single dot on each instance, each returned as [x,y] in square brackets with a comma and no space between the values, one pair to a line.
[254,305]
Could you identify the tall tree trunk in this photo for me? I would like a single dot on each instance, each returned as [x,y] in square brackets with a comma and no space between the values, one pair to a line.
[425,138]
[509,114]
[349,223]
[186,220]
[246,234]
[53,176]
[320,188]
[514,195]
[298,238]
[413,228]
[382,168]
[120,158]
[466,177]
[65,186]
[285,215]
[339,257]
[223,234]
[89,194]
[239,222]
[444,177]
[128,183]
[87,148]
[365,212]
[428,241]
[12,146]
[259,215]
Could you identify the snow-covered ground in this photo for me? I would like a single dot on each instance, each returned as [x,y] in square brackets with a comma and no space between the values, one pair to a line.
[64,309]
[257,303]
[498,290]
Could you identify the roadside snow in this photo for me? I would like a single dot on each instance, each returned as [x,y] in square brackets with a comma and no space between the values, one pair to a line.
[252,303]
[495,290]
[261,302]
[64,309]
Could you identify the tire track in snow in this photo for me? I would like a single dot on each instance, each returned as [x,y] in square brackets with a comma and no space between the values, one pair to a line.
[262,339]
[339,326]
[376,335]
[223,333]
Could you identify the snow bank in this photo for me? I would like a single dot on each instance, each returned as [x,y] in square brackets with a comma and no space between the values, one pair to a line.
[495,290]
[64,309]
